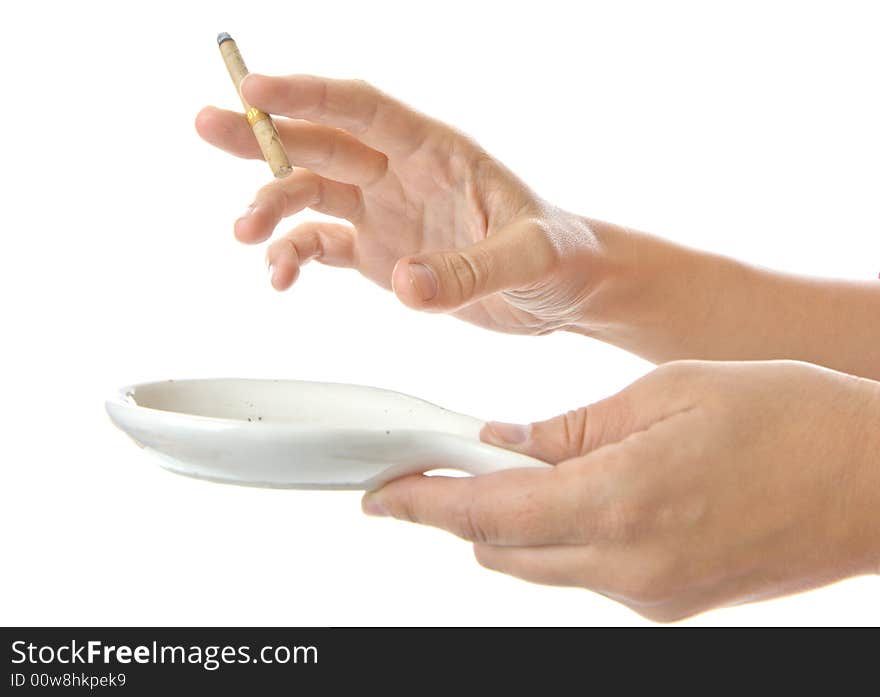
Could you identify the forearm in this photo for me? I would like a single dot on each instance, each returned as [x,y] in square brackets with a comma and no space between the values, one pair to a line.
[865,509]
[665,302]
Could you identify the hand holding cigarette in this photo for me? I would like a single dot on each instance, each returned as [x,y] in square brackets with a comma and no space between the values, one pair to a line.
[431,215]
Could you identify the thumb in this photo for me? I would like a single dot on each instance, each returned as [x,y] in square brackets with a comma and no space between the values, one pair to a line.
[568,435]
[515,256]
[660,394]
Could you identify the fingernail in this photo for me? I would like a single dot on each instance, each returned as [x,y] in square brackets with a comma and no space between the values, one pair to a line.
[508,434]
[243,80]
[372,507]
[247,211]
[424,281]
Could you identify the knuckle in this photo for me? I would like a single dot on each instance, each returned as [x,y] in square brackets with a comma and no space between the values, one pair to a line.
[665,614]
[641,592]
[676,369]
[574,430]
[287,242]
[479,164]
[606,509]
[405,505]
[473,526]
[622,510]
[268,192]
[273,197]
[326,152]
[654,586]
[363,85]
[684,372]
[378,169]
[611,420]
[485,556]
[317,91]
[544,251]
[371,99]
[585,429]
[620,521]
[465,274]
[318,188]
[481,264]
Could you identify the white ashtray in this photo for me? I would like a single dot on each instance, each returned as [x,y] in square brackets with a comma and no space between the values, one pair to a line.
[301,435]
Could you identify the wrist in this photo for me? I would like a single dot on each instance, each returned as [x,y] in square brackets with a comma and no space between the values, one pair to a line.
[634,281]
[602,261]
[627,279]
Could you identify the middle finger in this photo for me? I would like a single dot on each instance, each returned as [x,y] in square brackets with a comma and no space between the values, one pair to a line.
[330,152]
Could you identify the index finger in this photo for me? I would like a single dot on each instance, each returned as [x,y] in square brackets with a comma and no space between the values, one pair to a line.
[510,508]
[377,119]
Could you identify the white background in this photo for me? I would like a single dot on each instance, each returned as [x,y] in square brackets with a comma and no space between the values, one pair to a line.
[746,128]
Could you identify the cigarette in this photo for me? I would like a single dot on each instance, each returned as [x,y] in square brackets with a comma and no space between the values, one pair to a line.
[261,123]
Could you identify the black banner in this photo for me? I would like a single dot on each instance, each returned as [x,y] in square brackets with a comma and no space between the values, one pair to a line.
[249,661]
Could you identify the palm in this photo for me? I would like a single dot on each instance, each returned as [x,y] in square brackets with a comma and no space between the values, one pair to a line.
[421,208]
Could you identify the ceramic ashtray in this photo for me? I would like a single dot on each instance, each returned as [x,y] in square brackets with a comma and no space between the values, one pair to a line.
[301,435]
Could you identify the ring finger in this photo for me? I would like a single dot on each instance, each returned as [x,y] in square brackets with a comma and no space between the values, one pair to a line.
[284,197]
